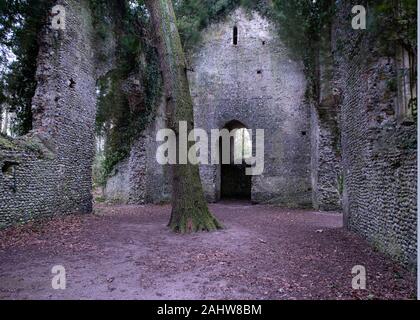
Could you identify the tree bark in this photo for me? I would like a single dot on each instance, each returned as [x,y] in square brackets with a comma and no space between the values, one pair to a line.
[190,212]
[1,118]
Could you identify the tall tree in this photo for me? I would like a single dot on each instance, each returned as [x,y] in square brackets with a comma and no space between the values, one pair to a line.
[190,212]
[20,24]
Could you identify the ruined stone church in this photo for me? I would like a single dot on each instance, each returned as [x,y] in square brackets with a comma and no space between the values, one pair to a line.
[354,150]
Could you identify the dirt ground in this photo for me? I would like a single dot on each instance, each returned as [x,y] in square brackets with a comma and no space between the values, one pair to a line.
[127,252]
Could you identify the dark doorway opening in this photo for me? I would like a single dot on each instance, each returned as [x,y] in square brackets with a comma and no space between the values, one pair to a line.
[234,183]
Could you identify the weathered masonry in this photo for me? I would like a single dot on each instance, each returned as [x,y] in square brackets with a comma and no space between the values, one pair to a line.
[379,139]
[353,150]
[242,72]
[48,172]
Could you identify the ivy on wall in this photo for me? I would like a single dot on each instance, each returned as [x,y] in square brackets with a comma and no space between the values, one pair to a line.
[118,120]
[195,15]
[394,22]
[120,124]
[302,25]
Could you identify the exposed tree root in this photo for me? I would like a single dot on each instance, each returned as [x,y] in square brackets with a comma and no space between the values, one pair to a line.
[194,221]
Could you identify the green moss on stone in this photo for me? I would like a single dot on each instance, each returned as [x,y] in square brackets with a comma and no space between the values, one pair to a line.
[7,143]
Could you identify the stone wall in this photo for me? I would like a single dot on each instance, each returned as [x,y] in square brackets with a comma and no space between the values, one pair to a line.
[140,178]
[373,167]
[49,171]
[378,145]
[327,178]
[256,83]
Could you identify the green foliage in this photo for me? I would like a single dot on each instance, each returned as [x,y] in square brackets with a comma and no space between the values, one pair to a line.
[120,123]
[6,142]
[21,22]
[195,15]
[100,12]
[394,22]
[98,173]
[303,23]
[115,120]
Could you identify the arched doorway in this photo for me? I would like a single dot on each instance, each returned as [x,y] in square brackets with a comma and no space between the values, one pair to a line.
[234,183]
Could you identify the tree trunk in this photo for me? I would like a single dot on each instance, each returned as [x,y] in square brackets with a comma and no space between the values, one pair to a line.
[1,118]
[189,207]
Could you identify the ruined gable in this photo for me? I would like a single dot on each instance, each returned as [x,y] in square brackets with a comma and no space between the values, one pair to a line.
[243,72]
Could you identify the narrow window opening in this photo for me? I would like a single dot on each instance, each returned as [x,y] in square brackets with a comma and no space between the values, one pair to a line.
[235,35]
[303,133]
[259,71]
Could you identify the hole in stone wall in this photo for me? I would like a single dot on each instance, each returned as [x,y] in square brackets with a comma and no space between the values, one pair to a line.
[72,83]
[303,133]
[8,169]
[259,71]
[235,35]
[263,43]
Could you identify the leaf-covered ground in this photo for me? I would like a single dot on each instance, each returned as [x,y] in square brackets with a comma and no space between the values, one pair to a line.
[127,252]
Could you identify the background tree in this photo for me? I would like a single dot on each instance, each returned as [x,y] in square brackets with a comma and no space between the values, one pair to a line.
[20,24]
[190,212]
